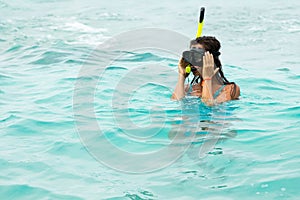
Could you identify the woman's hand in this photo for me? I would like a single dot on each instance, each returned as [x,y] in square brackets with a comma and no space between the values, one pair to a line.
[208,66]
[179,92]
[181,66]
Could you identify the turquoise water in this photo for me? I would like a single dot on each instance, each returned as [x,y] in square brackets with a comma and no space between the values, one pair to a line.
[46,44]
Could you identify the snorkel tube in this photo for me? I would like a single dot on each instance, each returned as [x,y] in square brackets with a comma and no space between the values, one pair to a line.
[199,32]
[201,22]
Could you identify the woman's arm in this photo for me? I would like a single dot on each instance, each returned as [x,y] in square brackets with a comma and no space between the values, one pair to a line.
[208,73]
[237,92]
[179,91]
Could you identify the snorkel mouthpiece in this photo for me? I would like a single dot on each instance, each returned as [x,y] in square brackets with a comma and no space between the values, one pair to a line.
[188,69]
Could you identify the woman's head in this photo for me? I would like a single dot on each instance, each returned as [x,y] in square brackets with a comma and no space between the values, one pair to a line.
[211,44]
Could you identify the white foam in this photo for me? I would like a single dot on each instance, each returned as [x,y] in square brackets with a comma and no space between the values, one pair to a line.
[77,26]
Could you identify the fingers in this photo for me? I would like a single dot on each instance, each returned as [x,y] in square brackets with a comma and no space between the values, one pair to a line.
[211,59]
[205,60]
[216,70]
[180,61]
[183,63]
[208,59]
[208,65]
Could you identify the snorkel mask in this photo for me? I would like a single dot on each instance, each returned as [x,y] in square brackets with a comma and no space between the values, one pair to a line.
[194,56]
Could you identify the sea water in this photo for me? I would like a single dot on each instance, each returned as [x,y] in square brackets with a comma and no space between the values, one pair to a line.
[60,142]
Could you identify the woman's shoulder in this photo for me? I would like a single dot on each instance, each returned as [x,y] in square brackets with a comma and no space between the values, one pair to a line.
[233,90]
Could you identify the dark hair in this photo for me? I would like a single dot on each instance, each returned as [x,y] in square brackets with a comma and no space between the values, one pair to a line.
[212,45]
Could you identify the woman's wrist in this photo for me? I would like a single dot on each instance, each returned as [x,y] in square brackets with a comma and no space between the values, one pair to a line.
[207,79]
[181,76]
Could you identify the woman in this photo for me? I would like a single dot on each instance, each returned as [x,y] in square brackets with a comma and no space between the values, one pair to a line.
[209,82]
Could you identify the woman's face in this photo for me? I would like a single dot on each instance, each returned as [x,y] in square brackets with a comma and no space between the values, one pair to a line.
[197,46]
[197,72]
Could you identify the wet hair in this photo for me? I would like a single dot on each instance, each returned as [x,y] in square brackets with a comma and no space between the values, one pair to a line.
[193,42]
[212,45]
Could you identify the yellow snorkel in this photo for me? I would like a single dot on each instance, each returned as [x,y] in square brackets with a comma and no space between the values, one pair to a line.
[199,32]
[201,22]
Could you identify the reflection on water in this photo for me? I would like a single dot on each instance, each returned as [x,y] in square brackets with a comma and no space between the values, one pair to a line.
[204,125]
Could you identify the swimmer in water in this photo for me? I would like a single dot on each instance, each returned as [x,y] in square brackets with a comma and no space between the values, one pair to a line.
[209,82]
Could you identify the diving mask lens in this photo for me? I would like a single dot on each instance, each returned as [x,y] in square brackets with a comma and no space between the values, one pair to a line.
[194,56]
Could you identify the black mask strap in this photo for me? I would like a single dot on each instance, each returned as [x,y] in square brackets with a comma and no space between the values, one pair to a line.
[193,80]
